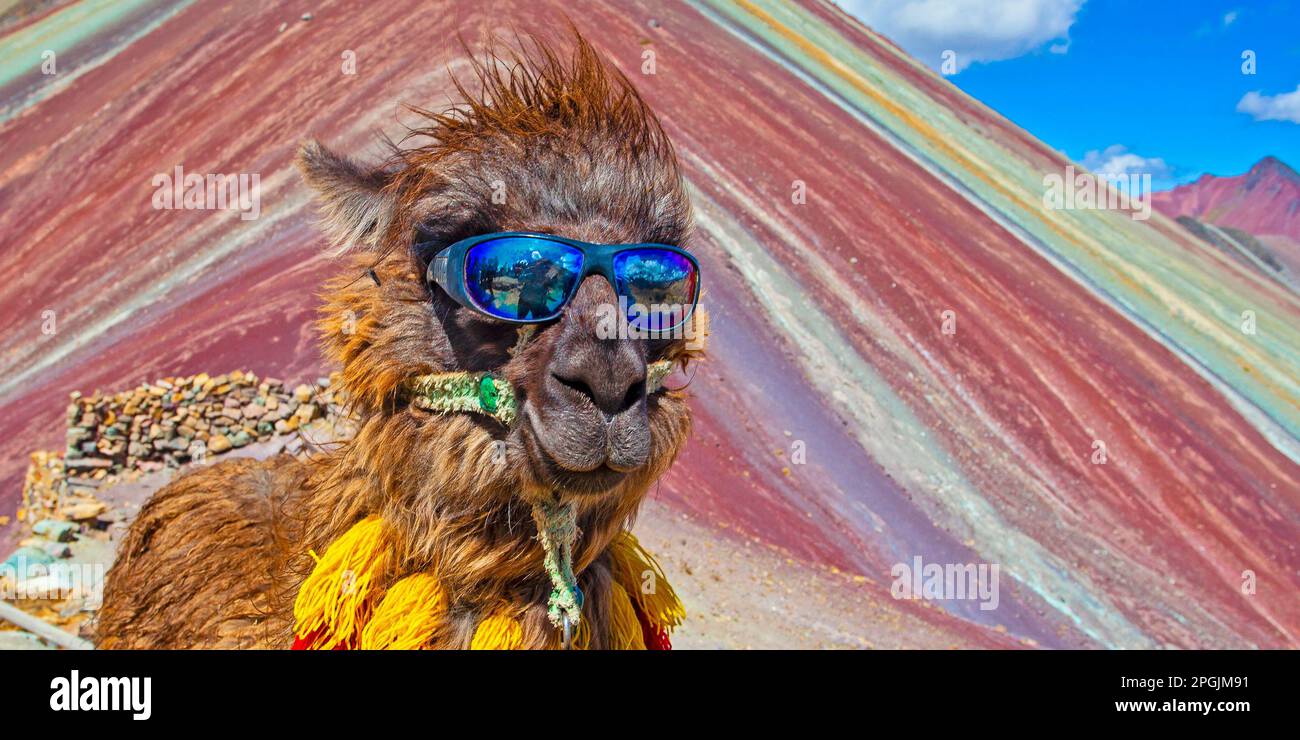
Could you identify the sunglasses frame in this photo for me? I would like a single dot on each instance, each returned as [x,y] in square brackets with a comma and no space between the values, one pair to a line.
[447,270]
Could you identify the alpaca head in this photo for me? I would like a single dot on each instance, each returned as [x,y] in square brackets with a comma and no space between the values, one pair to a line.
[540,143]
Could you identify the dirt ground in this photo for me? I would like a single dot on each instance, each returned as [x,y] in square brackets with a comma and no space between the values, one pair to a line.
[744,594]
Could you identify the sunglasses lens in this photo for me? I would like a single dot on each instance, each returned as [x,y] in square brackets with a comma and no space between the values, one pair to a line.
[660,286]
[522,279]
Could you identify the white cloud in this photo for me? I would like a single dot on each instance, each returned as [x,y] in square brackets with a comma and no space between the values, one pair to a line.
[1229,18]
[1116,160]
[1280,107]
[976,30]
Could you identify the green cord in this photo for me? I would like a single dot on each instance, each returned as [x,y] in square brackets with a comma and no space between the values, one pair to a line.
[557,528]
[483,393]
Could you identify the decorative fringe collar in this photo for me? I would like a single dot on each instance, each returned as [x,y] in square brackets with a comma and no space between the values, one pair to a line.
[339,605]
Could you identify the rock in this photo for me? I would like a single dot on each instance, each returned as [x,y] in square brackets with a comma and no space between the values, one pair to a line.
[306,412]
[71,607]
[88,463]
[218,443]
[254,411]
[57,550]
[79,512]
[302,393]
[24,559]
[82,486]
[56,530]
[241,439]
[21,640]
[114,515]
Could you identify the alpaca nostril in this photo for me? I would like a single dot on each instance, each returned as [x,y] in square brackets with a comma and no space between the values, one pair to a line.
[577,384]
[634,394]
[606,394]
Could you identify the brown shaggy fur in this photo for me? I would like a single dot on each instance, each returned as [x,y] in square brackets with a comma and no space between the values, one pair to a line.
[216,557]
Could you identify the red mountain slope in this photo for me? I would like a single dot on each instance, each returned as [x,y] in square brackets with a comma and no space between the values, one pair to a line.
[1265,200]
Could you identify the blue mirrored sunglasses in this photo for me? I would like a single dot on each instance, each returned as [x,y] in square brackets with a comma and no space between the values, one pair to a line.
[528,278]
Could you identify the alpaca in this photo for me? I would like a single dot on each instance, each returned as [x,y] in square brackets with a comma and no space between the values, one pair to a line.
[217,557]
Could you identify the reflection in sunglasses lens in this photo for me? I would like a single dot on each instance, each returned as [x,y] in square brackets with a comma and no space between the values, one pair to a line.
[659,286]
[520,278]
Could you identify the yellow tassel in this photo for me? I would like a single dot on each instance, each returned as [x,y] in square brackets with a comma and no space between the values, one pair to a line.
[637,571]
[333,602]
[498,632]
[407,616]
[624,627]
[581,636]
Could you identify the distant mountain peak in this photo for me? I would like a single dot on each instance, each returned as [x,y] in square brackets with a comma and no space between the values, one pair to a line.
[1271,165]
[1264,200]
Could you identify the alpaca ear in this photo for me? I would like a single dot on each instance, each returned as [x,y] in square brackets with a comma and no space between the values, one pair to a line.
[355,207]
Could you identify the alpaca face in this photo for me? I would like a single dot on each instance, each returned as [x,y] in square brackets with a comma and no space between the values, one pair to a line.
[568,148]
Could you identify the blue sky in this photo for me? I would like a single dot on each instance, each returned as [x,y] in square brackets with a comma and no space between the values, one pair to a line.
[1121,86]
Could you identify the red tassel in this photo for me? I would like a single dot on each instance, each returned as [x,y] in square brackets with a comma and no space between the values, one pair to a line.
[656,638]
[304,642]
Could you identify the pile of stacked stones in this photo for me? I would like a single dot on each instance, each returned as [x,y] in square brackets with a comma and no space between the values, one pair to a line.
[178,420]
